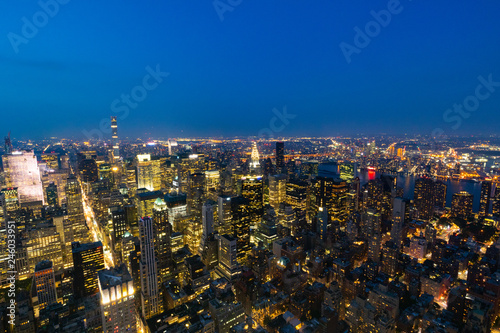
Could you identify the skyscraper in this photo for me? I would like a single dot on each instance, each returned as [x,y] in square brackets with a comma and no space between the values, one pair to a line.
[372,226]
[21,171]
[424,198]
[484,201]
[117,300]
[461,205]
[88,260]
[332,194]
[398,218]
[114,137]
[208,221]
[51,192]
[254,158]
[252,189]
[228,264]
[277,190]
[45,284]
[74,206]
[148,173]
[150,297]
[162,232]
[280,156]
[241,215]
[223,225]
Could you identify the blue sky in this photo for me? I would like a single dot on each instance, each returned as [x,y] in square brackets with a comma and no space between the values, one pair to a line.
[226,76]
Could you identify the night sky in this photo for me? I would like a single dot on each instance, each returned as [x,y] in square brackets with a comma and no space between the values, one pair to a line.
[230,67]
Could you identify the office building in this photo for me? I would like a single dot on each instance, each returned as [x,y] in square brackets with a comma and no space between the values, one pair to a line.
[228,265]
[162,234]
[150,296]
[117,300]
[45,284]
[88,260]
[21,171]
[280,156]
[277,190]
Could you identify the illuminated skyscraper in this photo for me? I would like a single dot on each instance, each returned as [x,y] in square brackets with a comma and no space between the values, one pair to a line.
[280,156]
[332,194]
[150,297]
[241,215]
[209,210]
[252,189]
[440,194]
[117,300]
[212,182]
[51,192]
[114,137]
[461,205]
[9,200]
[277,190]
[372,226]
[296,196]
[21,171]
[45,284]
[88,260]
[223,225]
[398,218]
[88,170]
[266,230]
[176,206]
[228,264]
[162,232]
[74,206]
[348,171]
[148,173]
[424,198]
[254,162]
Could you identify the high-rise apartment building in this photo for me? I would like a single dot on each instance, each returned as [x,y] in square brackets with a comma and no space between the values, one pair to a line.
[461,205]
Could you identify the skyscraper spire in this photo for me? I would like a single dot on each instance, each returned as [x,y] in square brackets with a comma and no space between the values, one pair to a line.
[8,144]
[254,164]
[114,137]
